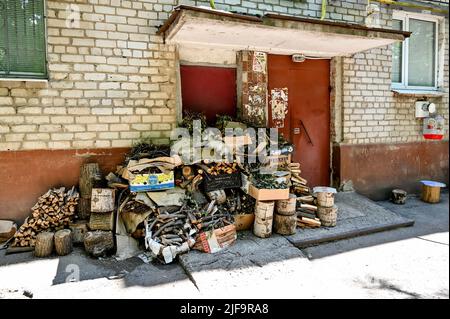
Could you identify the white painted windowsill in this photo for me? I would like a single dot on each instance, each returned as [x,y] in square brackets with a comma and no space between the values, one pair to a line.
[23,80]
[419,93]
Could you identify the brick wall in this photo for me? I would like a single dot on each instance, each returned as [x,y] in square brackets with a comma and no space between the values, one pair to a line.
[112,81]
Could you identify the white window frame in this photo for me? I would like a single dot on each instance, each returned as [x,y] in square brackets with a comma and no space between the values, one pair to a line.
[404,17]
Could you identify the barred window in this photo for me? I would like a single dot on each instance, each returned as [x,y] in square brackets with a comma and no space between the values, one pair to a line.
[22,39]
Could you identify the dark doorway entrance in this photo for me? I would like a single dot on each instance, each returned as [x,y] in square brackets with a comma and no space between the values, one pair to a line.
[211,90]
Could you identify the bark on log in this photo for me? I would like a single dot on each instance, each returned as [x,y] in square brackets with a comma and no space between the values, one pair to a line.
[101,221]
[284,224]
[98,243]
[79,230]
[84,208]
[44,244]
[63,242]
[398,196]
[89,175]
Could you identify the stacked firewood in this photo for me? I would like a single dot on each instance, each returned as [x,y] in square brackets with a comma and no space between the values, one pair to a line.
[307,212]
[53,211]
[299,184]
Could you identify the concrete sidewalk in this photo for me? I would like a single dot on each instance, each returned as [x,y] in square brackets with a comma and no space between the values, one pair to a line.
[411,262]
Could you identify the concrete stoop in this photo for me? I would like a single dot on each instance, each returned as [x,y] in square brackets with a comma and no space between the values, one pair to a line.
[357,216]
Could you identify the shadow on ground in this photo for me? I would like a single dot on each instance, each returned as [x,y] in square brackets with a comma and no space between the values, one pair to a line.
[249,251]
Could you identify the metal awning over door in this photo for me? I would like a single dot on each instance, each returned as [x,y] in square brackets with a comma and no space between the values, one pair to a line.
[273,33]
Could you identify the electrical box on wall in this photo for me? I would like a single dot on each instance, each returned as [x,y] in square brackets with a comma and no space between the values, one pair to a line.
[424,109]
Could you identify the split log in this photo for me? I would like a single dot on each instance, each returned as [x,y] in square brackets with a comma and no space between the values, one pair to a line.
[89,175]
[99,243]
[304,221]
[79,230]
[309,207]
[63,242]
[101,221]
[44,244]
[102,200]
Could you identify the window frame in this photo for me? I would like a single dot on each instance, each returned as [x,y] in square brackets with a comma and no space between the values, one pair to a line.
[23,76]
[405,17]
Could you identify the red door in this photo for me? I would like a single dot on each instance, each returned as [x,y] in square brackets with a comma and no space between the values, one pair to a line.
[307,122]
[211,90]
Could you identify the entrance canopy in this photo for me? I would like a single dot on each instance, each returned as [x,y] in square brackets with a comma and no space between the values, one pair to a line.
[272,33]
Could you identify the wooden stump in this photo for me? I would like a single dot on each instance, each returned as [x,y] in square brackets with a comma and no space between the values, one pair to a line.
[98,243]
[431,194]
[285,224]
[63,242]
[398,196]
[101,221]
[44,244]
[89,175]
[84,208]
[79,229]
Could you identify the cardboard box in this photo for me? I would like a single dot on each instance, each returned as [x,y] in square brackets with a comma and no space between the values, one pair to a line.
[215,240]
[152,182]
[268,194]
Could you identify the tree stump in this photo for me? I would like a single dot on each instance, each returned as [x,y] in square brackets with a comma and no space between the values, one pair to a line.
[63,242]
[101,221]
[398,196]
[79,230]
[431,194]
[98,243]
[44,244]
[89,175]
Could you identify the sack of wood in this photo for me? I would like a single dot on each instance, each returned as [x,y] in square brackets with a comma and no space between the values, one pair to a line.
[215,240]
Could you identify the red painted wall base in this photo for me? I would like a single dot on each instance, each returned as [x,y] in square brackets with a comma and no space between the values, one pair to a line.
[375,169]
[25,175]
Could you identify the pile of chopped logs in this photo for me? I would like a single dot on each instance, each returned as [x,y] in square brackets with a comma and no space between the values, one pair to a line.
[307,212]
[299,184]
[53,211]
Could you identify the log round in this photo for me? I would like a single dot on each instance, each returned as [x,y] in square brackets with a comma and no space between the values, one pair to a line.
[101,221]
[98,243]
[79,229]
[431,194]
[285,224]
[44,244]
[63,242]
[327,215]
[398,196]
